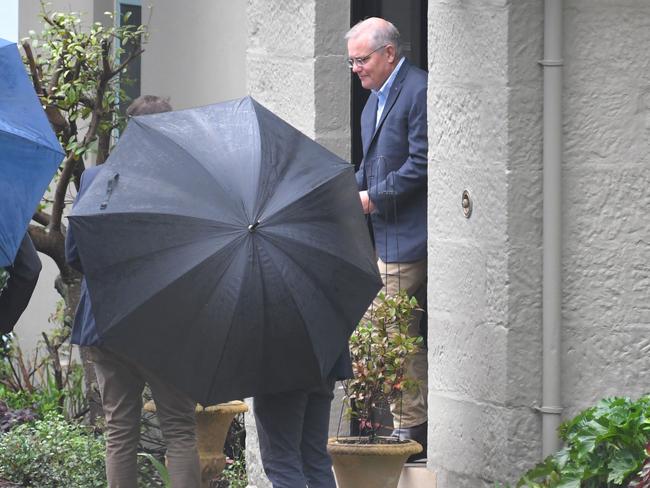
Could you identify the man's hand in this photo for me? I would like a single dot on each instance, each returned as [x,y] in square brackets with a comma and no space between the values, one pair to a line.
[366,203]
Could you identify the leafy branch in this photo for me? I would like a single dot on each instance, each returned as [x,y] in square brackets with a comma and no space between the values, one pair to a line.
[378,349]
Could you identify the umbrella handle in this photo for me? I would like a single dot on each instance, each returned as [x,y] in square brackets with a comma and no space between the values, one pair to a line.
[112,181]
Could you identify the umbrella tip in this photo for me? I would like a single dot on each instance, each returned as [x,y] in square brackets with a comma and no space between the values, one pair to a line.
[252,227]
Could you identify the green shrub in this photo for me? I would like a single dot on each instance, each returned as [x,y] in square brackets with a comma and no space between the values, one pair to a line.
[43,401]
[52,453]
[234,474]
[49,381]
[605,447]
[379,347]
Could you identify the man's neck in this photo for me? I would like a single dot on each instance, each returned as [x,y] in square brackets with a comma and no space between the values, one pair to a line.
[391,76]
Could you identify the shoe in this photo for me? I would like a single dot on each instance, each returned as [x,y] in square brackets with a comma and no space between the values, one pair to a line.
[416,433]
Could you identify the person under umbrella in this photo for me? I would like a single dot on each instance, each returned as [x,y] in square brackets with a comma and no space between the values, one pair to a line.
[29,151]
[226,251]
[23,275]
[293,428]
[121,380]
[29,156]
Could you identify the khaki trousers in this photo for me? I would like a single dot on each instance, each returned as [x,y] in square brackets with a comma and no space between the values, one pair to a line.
[121,383]
[411,410]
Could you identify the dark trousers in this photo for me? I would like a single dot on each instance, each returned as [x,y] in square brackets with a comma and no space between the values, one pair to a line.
[293,429]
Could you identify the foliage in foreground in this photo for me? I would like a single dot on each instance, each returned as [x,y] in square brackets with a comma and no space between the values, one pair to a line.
[606,447]
[55,452]
[52,453]
[9,417]
[51,380]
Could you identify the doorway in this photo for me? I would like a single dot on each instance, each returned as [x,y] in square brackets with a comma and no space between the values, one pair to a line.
[410,18]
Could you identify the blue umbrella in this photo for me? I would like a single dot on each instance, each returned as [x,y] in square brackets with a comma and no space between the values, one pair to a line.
[29,151]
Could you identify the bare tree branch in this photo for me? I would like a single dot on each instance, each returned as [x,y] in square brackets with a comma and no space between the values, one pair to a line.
[56,364]
[42,218]
[129,58]
[54,115]
[51,244]
[36,79]
[55,76]
[69,164]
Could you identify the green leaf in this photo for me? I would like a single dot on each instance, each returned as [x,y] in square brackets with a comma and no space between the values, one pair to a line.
[160,468]
[623,464]
[569,483]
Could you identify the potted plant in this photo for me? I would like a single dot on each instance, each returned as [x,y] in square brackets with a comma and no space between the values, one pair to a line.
[378,349]
[212,425]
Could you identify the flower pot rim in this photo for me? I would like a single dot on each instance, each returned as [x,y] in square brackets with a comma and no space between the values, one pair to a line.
[405,447]
[233,407]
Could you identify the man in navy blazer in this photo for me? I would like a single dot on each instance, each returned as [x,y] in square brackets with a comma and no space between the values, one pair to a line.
[392,182]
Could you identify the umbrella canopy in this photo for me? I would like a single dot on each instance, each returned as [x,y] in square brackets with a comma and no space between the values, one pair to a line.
[226,251]
[29,151]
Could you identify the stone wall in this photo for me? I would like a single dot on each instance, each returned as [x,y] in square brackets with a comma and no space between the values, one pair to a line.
[296,66]
[485,106]
[606,254]
[484,272]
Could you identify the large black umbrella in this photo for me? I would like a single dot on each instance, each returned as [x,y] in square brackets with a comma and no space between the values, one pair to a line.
[226,251]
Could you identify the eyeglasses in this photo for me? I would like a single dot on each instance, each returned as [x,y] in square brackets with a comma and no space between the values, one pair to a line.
[361,61]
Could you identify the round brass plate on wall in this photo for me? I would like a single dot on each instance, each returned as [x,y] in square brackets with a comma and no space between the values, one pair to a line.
[466,204]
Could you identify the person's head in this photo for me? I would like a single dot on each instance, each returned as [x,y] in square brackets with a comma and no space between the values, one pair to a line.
[148,104]
[373,51]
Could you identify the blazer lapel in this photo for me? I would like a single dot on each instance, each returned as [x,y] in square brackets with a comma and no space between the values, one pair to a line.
[390,101]
[368,118]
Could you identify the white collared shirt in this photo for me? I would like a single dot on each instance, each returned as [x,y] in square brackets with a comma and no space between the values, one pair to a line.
[382,93]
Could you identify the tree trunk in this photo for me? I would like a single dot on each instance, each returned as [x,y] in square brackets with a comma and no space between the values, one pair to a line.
[70,290]
[103,146]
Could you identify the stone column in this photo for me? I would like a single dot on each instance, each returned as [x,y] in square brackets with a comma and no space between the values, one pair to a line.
[295,67]
[485,114]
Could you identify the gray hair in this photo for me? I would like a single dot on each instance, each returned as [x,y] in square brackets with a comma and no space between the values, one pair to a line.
[381,32]
[148,104]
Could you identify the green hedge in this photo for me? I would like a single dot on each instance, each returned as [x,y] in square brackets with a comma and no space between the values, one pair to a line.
[52,453]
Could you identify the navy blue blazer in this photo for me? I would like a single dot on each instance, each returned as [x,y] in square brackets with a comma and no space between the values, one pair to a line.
[394,167]
[84,329]
[23,275]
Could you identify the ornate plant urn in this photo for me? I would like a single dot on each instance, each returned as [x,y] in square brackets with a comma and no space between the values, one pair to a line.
[212,424]
[359,464]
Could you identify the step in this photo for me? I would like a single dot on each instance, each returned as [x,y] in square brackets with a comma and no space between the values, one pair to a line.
[416,475]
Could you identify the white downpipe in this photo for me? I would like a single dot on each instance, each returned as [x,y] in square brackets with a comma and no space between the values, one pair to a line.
[552,227]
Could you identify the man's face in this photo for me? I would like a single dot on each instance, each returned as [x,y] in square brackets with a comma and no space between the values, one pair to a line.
[377,68]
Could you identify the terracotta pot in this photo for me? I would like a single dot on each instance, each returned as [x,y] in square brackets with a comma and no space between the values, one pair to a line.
[212,424]
[364,465]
